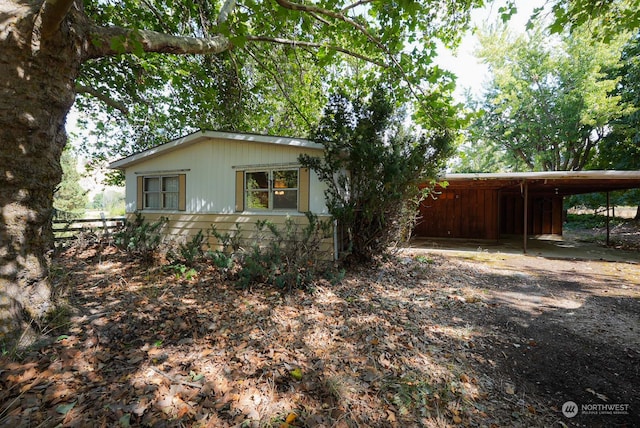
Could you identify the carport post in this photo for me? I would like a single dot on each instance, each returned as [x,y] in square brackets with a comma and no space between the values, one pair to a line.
[526,213]
[608,203]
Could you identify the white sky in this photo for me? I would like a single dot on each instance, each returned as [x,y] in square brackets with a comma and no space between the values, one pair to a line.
[463,63]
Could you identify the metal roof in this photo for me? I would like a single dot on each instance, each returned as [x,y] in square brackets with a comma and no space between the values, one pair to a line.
[549,182]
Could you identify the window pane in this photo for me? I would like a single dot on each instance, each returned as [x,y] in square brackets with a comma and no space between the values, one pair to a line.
[171,201]
[285,199]
[152,200]
[170,184]
[257,180]
[285,179]
[152,184]
[258,199]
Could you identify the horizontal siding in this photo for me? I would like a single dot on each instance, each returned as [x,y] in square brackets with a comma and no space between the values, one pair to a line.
[182,227]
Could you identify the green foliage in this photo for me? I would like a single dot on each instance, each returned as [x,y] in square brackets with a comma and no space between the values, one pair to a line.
[621,148]
[109,201]
[69,196]
[598,201]
[231,244]
[372,167]
[287,257]
[182,271]
[141,239]
[274,80]
[604,19]
[192,250]
[589,221]
[548,105]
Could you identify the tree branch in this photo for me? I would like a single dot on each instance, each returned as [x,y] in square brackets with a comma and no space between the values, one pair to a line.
[356,4]
[361,28]
[106,41]
[225,10]
[52,13]
[332,14]
[276,78]
[296,43]
[81,89]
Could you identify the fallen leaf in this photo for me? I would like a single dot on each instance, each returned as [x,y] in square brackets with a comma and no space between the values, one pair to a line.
[296,373]
[291,418]
[63,409]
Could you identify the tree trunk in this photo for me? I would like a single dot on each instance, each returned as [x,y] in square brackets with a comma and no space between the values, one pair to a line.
[36,92]
[637,217]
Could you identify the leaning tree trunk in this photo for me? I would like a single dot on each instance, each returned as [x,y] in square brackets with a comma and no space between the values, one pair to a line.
[36,92]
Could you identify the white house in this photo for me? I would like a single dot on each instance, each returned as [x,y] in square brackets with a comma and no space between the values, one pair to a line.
[223,179]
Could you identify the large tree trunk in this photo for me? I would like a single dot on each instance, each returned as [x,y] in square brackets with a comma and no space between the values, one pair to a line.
[36,92]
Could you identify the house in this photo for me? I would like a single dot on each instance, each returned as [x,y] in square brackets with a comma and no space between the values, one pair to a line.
[490,206]
[224,179]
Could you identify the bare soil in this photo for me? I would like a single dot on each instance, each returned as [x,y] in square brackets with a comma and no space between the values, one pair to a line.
[478,340]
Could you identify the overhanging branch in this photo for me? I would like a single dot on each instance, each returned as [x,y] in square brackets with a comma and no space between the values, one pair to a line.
[81,89]
[315,10]
[108,41]
[298,43]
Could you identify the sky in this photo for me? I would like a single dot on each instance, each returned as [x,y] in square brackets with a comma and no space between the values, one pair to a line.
[463,63]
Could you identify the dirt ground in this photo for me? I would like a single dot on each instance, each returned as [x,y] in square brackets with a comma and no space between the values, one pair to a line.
[475,339]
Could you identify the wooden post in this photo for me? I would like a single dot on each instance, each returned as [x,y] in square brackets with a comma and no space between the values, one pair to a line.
[608,231]
[104,224]
[526,216]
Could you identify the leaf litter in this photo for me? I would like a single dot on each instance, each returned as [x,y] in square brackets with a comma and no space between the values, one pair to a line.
[417,341]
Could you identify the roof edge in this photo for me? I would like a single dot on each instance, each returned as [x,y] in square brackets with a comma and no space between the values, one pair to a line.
[587,175]
[205,134]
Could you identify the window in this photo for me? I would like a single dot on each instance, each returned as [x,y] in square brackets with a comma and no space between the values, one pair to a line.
[271,190]
[162,192]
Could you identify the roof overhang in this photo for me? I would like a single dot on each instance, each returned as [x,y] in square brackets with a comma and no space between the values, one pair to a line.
[548,183]
[199,136]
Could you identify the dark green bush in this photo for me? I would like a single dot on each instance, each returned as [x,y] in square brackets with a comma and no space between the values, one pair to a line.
[287,257]
[140,238]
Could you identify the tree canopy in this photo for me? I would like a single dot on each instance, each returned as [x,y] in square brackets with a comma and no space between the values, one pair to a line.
[283,58]
[549,102]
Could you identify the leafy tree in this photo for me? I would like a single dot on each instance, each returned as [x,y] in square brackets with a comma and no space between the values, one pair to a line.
[159,60]
[548,104]
[621,148]
[69,196]
[604,20]
[372,168]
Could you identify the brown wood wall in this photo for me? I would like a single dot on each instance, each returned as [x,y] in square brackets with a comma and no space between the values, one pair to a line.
[544,217]
[460,213]
[486,214]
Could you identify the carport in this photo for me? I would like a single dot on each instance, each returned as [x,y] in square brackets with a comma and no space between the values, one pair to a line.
[488,206]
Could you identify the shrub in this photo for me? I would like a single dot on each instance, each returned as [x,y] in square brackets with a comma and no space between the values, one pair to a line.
[373,170]
[191,251]
[141,239]
[287,257]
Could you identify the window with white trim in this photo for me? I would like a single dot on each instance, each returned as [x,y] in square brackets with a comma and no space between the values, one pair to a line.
[161,192]
[275,189]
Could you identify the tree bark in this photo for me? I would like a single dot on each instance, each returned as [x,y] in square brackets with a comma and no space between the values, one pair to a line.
[42,46]
[36,92]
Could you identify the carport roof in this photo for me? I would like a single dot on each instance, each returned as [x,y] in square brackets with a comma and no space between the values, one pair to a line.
[549,182]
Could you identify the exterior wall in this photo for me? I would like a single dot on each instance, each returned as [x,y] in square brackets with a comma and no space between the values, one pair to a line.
[181,227]
[544,215]
[460,213]
[485,213]
[210,167]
